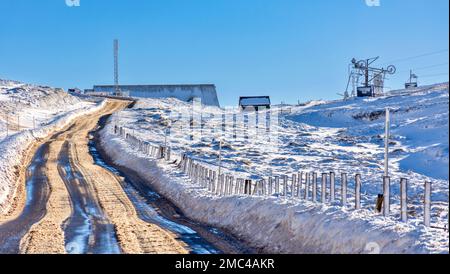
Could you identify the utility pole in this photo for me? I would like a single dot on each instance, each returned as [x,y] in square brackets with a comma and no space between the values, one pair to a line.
[18,122]
[386,142]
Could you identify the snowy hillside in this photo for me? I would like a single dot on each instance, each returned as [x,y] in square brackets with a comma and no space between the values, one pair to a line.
[339,136]
[25,106]
[419,126]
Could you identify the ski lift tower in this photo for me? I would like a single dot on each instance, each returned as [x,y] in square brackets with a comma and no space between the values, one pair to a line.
[412,81]
[373,83]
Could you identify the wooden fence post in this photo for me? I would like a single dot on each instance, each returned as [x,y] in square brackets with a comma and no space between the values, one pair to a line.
[264,187]
[358,191]
[332,187]
[270,186]
[294,184]
[299,184]
[314,187]
[307,183]
[386,195]
[427,205]
[213,184]
[323,192]
[232,185]
[222,184]
[227,179]
[285,186]
[344,189]
[404,199]
[277,185]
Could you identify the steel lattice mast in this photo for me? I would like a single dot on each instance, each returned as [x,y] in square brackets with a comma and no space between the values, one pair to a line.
[116,67]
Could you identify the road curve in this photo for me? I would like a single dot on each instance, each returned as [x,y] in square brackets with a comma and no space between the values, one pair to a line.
[75,206]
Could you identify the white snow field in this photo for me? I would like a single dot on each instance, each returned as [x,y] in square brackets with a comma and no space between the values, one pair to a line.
[321,136]
[31,112]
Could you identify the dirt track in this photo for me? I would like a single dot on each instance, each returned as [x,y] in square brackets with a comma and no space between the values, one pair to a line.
[78,206]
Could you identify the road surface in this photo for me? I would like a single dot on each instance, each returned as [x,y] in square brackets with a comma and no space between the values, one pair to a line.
[74,200]
[75,206]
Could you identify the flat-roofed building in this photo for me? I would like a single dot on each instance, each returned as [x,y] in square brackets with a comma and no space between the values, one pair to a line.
[254,103]
[205,92]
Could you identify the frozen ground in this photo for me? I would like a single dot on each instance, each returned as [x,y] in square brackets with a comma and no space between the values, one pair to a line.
[339,136]
[31,112]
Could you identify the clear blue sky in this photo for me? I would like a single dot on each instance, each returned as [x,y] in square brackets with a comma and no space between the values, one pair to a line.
[289,49]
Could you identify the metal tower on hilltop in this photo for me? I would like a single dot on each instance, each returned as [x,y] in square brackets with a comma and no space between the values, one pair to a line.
[116,68]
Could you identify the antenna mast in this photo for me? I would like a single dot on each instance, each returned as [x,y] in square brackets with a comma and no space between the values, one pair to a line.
[116,67]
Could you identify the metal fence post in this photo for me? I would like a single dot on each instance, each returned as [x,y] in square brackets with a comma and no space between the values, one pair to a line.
[344,189]
[323,193]
[277,185]
[404,199]
[307,182]
[427,205]
[270,186]
[332,187]
[314,187]
[227,184]
[285,186]
[213,183]
[294,184]
[386,195]
[264,187]
[358,191]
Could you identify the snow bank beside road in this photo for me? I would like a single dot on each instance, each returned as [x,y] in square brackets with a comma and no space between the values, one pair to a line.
[276,225]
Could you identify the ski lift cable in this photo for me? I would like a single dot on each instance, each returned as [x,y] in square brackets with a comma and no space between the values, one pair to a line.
[416,57]
[433,75]
[424,68]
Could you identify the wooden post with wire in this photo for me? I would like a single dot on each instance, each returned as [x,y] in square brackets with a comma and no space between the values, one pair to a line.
[332,187]
[404,199]
[358,191]
[344,189]
[427,205]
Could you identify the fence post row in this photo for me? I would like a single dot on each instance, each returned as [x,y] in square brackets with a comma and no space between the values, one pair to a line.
[227,185]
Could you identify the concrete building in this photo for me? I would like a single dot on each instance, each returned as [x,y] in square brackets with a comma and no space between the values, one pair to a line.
[207,92]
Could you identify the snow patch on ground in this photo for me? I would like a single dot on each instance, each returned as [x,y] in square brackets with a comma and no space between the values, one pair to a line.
[320,136]
[278,225]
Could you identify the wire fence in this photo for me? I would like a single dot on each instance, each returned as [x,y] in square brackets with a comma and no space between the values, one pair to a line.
[307,186]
